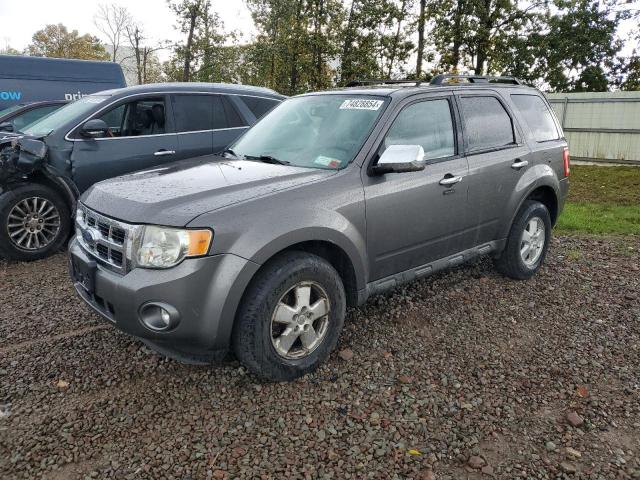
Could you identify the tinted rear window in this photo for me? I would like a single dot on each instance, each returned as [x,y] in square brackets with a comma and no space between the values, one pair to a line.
[537,115]
[259,106]
[487,124]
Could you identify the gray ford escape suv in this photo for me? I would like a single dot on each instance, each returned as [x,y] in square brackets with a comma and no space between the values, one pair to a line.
[330,198]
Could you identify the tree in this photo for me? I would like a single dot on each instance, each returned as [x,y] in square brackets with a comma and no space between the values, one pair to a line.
[147,65]
[57,41]
[190,17]
[112,20]
[422,17]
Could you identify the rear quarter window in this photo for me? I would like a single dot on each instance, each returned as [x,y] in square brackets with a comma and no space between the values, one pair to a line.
[259,106]
[537,116]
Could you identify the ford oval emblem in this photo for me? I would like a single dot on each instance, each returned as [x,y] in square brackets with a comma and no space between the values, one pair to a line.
[89,239]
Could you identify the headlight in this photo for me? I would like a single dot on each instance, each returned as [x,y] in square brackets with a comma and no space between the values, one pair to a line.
[162,247]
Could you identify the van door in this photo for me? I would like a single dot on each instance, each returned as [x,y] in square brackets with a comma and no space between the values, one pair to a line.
[140,136]
[498,157]
[418,217]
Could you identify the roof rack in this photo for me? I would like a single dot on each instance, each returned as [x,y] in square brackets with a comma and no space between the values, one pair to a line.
[445,78]
[362,83]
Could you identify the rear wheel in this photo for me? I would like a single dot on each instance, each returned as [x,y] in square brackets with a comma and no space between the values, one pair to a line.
[527,243]
[290,317]
[34,223]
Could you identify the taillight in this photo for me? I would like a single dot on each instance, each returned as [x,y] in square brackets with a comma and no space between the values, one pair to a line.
[565,161]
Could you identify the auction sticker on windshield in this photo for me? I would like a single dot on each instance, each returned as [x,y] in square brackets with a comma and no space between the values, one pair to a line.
[361,104]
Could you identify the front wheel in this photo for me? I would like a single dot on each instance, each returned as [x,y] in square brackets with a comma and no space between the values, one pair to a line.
[34,223]
[290,317]
[527,243]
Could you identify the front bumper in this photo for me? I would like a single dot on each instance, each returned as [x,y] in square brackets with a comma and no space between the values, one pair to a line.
[205,291]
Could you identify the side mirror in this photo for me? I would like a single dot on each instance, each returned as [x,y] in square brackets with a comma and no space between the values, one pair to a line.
[94,128]
[6,127]
[400,159]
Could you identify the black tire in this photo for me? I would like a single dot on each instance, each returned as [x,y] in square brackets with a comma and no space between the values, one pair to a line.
[8,248]
[252,335]
[510,261]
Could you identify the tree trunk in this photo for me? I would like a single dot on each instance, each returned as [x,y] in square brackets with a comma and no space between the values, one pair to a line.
[457,35]
[421,22]
[293,78]
[396,40]
[318,46]
[186,72]
[345,61]
[482,44]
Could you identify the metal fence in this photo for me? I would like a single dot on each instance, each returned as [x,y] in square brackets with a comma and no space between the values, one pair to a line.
[602,126]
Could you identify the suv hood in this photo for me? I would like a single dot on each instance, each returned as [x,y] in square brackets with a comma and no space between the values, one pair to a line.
[175,194]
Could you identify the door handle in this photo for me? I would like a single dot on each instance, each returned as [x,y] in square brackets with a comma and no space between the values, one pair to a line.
[162,153]
[450,180]
[518,164]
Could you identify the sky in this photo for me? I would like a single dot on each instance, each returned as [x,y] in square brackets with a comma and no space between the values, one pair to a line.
[27,16]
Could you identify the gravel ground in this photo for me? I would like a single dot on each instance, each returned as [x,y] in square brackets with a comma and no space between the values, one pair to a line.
[464,375]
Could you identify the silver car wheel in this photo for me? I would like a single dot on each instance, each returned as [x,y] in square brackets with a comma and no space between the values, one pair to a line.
[533,240]
[33,223]
[300,321]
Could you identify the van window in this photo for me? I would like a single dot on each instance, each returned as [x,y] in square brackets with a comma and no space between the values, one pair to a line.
[487,124]
[428,124]
[258,106]
[133,119]
[537,115]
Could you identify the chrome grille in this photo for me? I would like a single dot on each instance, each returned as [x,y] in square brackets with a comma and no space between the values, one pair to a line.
[107,240]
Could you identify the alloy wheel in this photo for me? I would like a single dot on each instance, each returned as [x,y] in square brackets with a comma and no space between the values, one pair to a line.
[300,321]
[533,240]
[33,223]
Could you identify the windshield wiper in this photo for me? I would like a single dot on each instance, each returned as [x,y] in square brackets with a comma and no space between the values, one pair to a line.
[267,159]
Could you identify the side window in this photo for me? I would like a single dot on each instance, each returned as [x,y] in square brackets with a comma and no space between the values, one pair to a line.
[537,115]
[427,123]
[225,114]
[487,124]
[139,117]
[193,113]
[258,106]
[27,118]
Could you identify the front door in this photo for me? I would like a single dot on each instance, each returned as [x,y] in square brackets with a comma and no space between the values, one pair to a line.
[418,217]
[498,158]
[139,137]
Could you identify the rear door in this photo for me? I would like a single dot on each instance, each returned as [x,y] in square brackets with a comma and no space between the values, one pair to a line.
[193,116]
[498,157]
[543,132]
[418,217]
[140,136]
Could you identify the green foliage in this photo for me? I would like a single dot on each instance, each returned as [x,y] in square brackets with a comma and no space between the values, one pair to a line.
[56,41]
[303,45]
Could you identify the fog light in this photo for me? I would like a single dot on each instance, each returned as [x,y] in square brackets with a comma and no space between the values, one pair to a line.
[159,317]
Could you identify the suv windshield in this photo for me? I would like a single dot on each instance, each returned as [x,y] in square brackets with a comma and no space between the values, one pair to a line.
[60,117]
[316,131]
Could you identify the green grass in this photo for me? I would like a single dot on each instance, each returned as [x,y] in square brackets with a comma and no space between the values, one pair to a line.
[602,201]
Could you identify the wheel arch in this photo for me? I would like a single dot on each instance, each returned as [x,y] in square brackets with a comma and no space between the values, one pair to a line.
[544,192]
